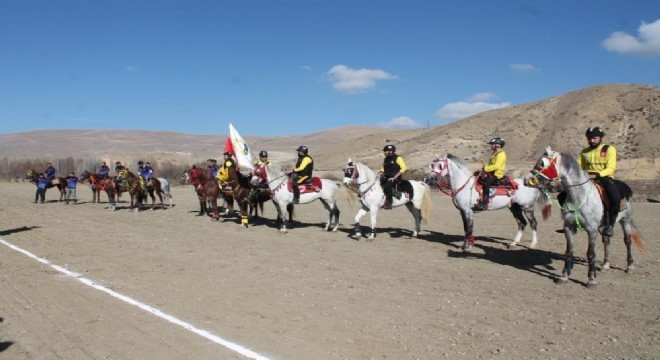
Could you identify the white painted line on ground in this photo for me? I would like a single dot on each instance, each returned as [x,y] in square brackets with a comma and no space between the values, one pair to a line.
[216,339]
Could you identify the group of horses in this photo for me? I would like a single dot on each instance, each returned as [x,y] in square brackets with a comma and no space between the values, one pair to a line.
[582,210]
[114,186]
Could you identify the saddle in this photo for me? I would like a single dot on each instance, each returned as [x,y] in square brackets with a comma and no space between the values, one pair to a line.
[506,186]
[624,190]
[307,187]
[404,186]
[55,182]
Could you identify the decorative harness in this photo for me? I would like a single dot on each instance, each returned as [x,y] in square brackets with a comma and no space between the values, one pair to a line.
[445,185]
[549,172]
[353,169]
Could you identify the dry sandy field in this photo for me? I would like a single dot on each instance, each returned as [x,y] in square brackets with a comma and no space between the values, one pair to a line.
[82,282]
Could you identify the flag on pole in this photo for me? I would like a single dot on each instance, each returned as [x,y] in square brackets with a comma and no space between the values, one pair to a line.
[240,149]
[229,147]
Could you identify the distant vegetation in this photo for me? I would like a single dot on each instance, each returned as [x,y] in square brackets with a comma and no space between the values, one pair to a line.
[15,169]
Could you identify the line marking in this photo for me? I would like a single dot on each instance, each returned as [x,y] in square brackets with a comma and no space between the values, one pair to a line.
[201,332]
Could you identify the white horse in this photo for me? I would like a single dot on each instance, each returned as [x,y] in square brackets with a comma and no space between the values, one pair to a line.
[165,188]
[462,185]
[583,209]
[372,197]
[282,196]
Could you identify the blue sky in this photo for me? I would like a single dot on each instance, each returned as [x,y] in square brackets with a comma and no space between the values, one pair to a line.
[285,67]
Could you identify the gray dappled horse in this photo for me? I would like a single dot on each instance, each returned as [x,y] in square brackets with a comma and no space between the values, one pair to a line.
[583,209]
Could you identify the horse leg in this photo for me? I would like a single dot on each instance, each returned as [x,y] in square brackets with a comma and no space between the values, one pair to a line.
[591,257]
[517,212]
[330,213]
[468,225]
[284,214]
[628,231]
[568,256]
[356,224]
[417,215]
[606,252]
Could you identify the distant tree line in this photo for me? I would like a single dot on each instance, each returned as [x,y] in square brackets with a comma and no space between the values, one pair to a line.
[12,169]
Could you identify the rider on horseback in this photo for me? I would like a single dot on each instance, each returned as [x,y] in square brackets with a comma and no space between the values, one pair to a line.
[390,173]
[118,169]
[494,171]
[263,185]
[212,167]
[50,172]
[302,173]
[599,160]
[104,170]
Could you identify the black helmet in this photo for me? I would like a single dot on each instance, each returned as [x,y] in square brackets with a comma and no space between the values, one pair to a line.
[391,148]
[594,131]
[263,154]
[140,162]
[303,149]
[497,140]
[227,153]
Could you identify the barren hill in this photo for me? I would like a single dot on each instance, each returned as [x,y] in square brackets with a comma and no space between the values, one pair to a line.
[629,114]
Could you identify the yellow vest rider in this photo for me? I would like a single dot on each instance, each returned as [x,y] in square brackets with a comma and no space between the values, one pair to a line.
[302,172]
[599,161]
[494,170]
[390,173]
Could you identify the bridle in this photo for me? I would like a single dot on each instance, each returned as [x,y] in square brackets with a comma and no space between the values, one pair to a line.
[443,185]
[351,171]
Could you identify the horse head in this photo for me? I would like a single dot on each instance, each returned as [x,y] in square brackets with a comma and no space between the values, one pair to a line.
[350,172]
[259,175]
[545,174]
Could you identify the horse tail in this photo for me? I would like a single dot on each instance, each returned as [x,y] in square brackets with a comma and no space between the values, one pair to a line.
[427,203]
[348,195]
[542,201]
[624,189]
[637,236]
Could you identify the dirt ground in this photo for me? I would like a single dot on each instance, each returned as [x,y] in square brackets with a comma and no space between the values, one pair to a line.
[311,294]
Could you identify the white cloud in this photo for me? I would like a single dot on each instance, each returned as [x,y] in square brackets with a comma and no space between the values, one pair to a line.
[401,123]
[350,80]
[482,96]
[306,68]
[646,44]
[130,68]
[461,109]
[523,67]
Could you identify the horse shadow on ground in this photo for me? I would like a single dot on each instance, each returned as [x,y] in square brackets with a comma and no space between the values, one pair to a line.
[17,230]
[536,261]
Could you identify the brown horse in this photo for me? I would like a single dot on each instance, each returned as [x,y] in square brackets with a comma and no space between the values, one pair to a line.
[59,182]
[236,188]
[113,188]
[206,187]
[95,183]
[136,188]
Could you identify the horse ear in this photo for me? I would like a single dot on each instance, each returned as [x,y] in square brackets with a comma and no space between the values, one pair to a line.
[350,160]
[548,150]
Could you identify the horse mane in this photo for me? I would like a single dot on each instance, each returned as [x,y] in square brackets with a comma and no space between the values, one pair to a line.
[461,165]
[370,174]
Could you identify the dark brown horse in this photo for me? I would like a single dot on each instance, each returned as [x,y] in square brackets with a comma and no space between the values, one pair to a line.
[206,187]
[136,188]
[113,187]
[58,182]
[236,188]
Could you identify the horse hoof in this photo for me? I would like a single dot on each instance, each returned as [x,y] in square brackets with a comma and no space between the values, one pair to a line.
[414,234]
[591,284]
[532,245]
[605,266]
[630,269]
[561,281]
[467,247]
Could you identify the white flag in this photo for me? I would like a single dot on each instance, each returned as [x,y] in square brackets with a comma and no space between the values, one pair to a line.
[241,149]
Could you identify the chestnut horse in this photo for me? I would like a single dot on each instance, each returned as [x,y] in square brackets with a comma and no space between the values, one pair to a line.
[113,187]
[206,187]
[95,183]
[33,177]
[136,188]
[237,188]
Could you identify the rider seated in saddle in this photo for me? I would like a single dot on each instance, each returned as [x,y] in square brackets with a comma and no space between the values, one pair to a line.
[212,167]
[118,169]
[390,174]
[223,171]
[50,172]
[145,171]
[302,172]
[104,170]
[599,161]
[494,171]
[262,160]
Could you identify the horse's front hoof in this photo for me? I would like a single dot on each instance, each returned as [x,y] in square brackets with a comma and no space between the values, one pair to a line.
[606,266]
[630,269]
[591,284]
[561,280]
[467,247]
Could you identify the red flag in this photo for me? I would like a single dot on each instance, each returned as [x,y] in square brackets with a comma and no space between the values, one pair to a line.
[229,147]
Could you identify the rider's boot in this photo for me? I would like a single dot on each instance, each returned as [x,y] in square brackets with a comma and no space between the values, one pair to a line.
[296,194]
[481,205]
[611,215]
[388,202]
